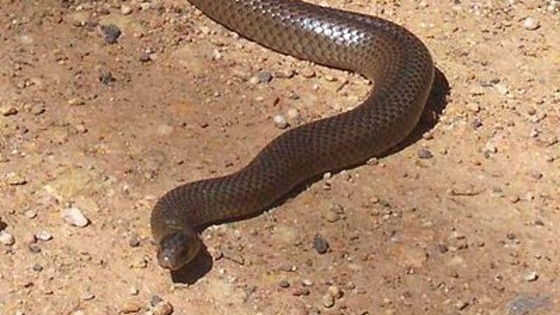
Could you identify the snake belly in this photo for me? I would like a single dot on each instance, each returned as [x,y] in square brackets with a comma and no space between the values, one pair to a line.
[384,52]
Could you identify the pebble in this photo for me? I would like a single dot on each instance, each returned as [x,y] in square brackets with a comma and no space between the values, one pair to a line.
[320,244]
[75,217]
[125,9]
[75,101]
[43,236]
[30,214]
[133,291]
[280,121]
[87,296]
[106,77]
[425,154]
[34,248]
[300,291]
[284,284]
[335,291]
[8,111]
[531,276]
[15,179]
[37,267]
[307,282]
[111,32]
[130,307]
[476,123]
[261,77]
[531,24]
[155,300]
[327,300]
[134,241]
[461,305]
[162,308]
[6,238]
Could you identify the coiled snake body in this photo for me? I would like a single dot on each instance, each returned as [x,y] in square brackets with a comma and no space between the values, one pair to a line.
[382,51]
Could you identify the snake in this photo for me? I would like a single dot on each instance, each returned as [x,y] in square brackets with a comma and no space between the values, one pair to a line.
[397,61]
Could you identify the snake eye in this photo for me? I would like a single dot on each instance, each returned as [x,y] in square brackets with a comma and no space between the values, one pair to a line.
[177,249]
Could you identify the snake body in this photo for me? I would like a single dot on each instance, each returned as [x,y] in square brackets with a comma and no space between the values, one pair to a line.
[398,62]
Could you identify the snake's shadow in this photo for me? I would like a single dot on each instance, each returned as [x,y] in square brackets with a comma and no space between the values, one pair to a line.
[435,105]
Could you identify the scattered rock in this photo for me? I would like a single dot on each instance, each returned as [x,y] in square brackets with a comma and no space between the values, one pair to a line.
[280,121]
[111,33]
[327,300]
[8,110]
[134,241]
[130,307]
[425,154]
[320,244]
[6,238]
[155,300]
[133,291]
[335,291]
[15,179]
[30,214]
[125,9]
[75,217]
[162,308]
[531,24]
[461,305]
[43,235]
[37,267]
[531,276]
[106,77]
[261,77]
[300,291]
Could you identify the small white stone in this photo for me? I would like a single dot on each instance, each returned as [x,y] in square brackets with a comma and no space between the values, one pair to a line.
[30,214]
[75,217]
[126,9]
[133,291]
[531,276]
[43,235]
[531,24]
[6,238]
[280,121]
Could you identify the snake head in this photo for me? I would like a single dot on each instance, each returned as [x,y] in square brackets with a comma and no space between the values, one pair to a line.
[177,249]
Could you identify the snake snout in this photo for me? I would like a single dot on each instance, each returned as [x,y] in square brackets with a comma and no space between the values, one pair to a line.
[177,249]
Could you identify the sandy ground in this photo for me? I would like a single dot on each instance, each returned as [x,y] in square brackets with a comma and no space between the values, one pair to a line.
[464,219]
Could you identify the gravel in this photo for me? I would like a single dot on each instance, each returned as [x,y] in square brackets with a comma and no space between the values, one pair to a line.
[280,121]
[43,235]
[320,244]
[111,33]
[75,217]
[531,24]
[6,238]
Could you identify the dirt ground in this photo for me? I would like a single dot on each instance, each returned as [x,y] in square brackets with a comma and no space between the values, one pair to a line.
[463,219]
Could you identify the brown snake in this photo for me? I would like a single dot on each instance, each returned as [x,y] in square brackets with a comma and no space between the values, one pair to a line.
[382,51]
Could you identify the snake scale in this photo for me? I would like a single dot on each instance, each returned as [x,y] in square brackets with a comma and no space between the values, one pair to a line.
[384,52]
